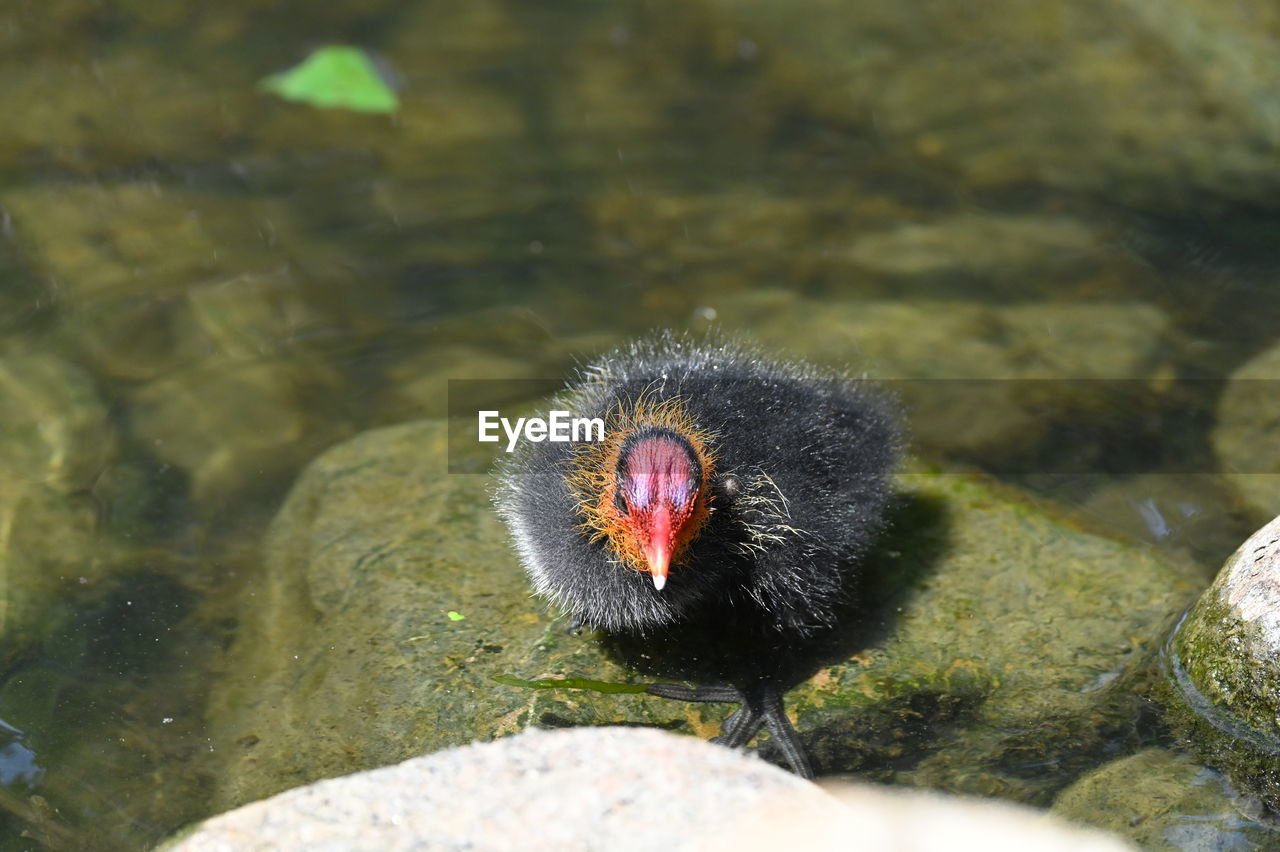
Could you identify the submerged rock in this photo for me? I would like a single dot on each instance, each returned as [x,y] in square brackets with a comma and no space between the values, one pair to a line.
[955,339]
[617,788]
[988,646]
[146,279]
[1246,437]
[978,247]
[1193,512]
[54,440]
[1010,371]
[1078,98]
[55,428]
[1223,695]
[1161,799]
[232,426]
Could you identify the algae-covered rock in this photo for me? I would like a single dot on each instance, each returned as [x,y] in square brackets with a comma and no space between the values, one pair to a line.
[987,642]
[390,600]
[1223,694]
[1246,437]
[1007,655]
[1160,799]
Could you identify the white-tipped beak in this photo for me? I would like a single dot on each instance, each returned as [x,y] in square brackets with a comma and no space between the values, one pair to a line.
[659,580]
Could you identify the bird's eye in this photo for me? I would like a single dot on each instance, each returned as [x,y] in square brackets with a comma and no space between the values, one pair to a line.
[620,503]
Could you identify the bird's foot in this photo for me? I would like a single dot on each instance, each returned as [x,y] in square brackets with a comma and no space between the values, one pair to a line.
[760,706]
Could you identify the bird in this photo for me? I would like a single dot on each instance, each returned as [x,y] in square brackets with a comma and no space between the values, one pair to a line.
[731,494]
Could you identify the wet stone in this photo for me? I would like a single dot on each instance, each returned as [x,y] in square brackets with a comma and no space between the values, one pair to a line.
[1006,640]
[1222,695]
[990,640]
[1160,799]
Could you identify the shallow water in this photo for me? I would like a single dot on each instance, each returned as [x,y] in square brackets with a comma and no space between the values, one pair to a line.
[204,287]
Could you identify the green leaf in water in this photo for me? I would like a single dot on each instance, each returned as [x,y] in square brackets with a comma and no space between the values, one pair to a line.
[571,683]
[455,616]
[335,77]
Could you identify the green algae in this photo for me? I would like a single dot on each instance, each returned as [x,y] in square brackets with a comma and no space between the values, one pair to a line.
[1221,694]
[572,683]
[1212,655]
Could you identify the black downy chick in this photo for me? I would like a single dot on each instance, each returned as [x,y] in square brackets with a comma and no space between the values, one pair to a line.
[728,488]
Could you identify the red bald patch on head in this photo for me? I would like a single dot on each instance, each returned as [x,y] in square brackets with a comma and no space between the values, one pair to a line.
[659,485]
[654,454]
[658,470]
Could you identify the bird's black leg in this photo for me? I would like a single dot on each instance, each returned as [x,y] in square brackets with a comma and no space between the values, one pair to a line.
[784,734]
[761,706]
[743,724]
[738,728]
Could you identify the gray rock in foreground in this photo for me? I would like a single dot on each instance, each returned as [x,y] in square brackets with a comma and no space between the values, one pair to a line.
[615,788]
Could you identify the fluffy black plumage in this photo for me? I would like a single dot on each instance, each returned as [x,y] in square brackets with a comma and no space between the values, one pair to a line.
[806,456]
[801,480]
